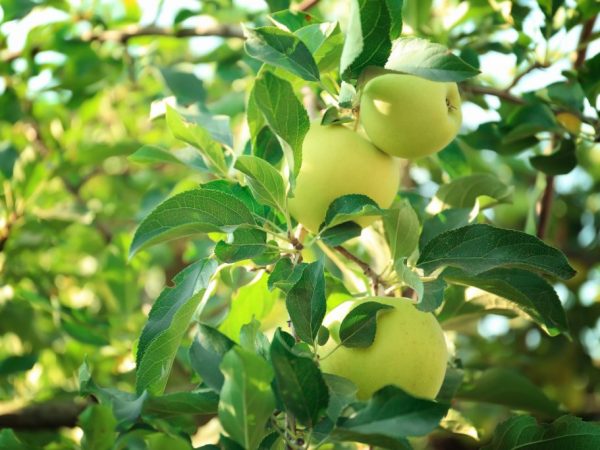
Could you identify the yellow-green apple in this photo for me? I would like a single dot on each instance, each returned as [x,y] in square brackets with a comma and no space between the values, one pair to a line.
[337,161]
[409,116]
[409,350]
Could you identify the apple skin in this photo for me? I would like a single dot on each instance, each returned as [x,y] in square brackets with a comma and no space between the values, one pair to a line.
[409,350]
[409,116]
[337,161]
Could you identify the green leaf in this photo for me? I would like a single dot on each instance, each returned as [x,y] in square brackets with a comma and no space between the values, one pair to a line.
[529,291]
[98,424]
[283,112]
[417,13]
[325,41]
[426,59]
[151,154]
[478,248]
[299,381]
[526,121]
[395,11]
[508,388]
[433,295]
[342,392]
[251,338]
[10,441]
[285,275]
[168,321]
[246,400]
[190,213]
[349,207]
[367,40]
[465,191]
[252,301]
[17,363]
[264,180]
[199,137]
[389,417]
[306,302]
[401,226]
[283,49]
[206,353]
[449,219]
[247,243]
[176,404]
[339,234]
[453,160]
[566,432]
[332,117]
[360,325]
[185,86]
[561,162]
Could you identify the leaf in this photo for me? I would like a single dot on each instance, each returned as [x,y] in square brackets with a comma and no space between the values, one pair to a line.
[199,137]
[151,154]
[299,381]
[477,248]
[246,400]
[433,295]
[176,404]
[401,226]
[360,325]
[389,417]
[264,180]
[529,291]
[395,11]
[306,302]
[523,433]
[285,275]
[252,301]
[367,40]
[449,219]
[332,117]
[339,234]
[17,363]
[168,321]
[347,208]
[283,49]
[98,424]
[190,213]
[464,192]
[561,162]
[453,161]
[426,59]
[247,243]
[185,86]
[342,392]
[206,354]
[283,112]
[325,41]
[508,388]
[251,338]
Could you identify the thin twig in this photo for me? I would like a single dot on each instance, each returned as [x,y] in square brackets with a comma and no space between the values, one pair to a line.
[584,40]
[376,281]
[545,207]
[535,65]
[307,4]
[123,35]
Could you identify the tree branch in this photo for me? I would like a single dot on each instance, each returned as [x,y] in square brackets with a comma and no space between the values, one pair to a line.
[376,281]
[545,207]
[584,40]
[49,415]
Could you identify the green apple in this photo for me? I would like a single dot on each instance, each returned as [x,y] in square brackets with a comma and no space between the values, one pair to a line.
[409,116]
[409,350]
[337,161]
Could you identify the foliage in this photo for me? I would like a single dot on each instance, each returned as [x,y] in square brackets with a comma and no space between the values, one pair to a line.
[146,165]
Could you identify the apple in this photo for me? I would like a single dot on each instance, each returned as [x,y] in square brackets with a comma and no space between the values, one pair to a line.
[409,350]
[409,116]
[337,161]
[569,121]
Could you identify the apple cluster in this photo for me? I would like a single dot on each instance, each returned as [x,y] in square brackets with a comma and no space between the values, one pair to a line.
[400,116]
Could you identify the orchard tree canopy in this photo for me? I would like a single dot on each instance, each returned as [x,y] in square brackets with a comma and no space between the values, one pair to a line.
[283,224]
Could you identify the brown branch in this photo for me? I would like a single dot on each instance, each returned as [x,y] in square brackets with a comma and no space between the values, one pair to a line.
[584,38]
[307,4]
[545,207]
[125,34]
[49,415]
[535,65]
[376,281]
[488,90]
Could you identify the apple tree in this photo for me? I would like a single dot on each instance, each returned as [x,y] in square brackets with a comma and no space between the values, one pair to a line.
[293,225]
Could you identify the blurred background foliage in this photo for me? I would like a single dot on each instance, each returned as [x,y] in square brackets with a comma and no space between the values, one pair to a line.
[82,87]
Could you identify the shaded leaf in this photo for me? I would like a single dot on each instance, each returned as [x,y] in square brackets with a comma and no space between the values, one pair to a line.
[360,325]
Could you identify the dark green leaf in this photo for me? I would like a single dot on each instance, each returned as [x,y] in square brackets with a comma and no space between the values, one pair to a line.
[206,354]
[464,192]
[560,162]
[453,161]
[285,274]
[185,86]
[339,234]
[98,424]
[529,291]
[447,220]
[342,392]
[168,321]
[281,48]
[283,112]
[426,59]
[306,302]
[349,207]
[246,400]
[16,364]
[247,243]
[202,402]
[299,381]
[478,248]
[360,325]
